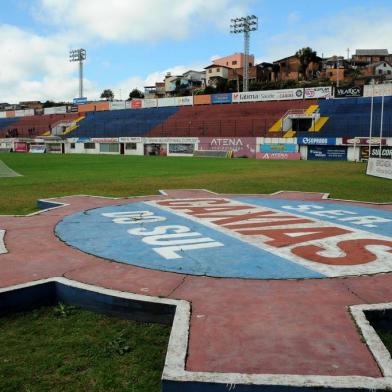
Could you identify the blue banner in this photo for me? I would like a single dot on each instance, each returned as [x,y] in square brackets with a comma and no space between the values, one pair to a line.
[337,153]
[221,98]
[278,148]
[79,101]
[326,141]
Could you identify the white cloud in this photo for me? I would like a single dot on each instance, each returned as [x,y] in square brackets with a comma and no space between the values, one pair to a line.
[355,28]
[36,67]
[294,17]
[150,20]
[124,87]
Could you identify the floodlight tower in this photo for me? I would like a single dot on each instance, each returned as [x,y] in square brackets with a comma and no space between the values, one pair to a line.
[78,55]
[245,25]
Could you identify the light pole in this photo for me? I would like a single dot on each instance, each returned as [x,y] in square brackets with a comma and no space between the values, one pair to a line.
[245,25]
[78,55]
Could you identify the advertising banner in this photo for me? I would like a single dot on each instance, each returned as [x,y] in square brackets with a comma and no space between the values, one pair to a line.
[136,104]
[380,168]
[289,156]
[221,98]
[242,147]
[79,101]
[20,147]
[37,149]
[184,101]
[163,102]
[117,105]
[129,139]
[56,110]
[316,141]
[104,140]
[348,92]
[24,112]
[320,153]
[181,149]
[53,147]
[3,114]
[202,99]
[150,103]
[386,152]
[155,149]
[318,92]
[278,148]
[363,141]
[271,95]
[378,90]
[72,109]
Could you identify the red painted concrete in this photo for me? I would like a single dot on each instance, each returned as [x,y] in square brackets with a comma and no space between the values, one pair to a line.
[244,326]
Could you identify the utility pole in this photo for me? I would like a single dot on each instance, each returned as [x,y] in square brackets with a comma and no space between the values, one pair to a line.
[245,25]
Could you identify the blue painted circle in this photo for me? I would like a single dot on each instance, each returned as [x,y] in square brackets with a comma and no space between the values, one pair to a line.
[162,239]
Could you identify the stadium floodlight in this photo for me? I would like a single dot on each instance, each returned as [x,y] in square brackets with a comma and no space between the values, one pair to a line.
[78,55]
[245,25]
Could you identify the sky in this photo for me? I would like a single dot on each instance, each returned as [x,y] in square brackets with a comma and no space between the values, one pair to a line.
[133,43]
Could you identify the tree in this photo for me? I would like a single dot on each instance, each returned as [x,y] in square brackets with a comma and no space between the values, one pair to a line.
[135,93]
[306,56]
[107,94]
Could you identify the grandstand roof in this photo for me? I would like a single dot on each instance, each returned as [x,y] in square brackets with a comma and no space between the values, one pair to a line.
[371,52]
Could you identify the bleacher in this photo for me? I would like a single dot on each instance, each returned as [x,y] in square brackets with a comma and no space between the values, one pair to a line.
[5,124]
[350,117]
[31,126]
[226,120]
[119,123]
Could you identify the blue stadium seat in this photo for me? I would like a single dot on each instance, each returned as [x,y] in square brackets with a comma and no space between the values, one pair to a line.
[350,117]
[118,123]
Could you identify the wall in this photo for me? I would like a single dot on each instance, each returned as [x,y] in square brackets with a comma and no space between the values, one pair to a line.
[95,106]
[378,89]
[245,146]
[202,100]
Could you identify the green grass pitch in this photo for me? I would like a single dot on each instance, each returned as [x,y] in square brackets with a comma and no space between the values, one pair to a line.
[74,356]
[58,175]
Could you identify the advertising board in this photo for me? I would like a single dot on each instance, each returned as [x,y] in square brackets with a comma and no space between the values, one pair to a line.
[270,95]
[329,153]
[79,101]
[288,156]
[318,92]
[363,141]
[348,92]
[181,148]
[221,98]
[155,149]
[386,152]
[305,140]
[37,149]
[380,168]
[117,105]
[136,104]
[202,99]
[278,148]
[242,147]
[56,110]
[163,102]
[104,140]
[378,90]
[184,101]
[150,103]
[20,147]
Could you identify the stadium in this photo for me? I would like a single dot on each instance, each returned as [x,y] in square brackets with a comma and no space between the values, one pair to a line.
[194,239]
[304,123]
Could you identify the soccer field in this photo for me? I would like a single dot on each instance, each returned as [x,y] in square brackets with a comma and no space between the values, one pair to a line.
[58,175]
